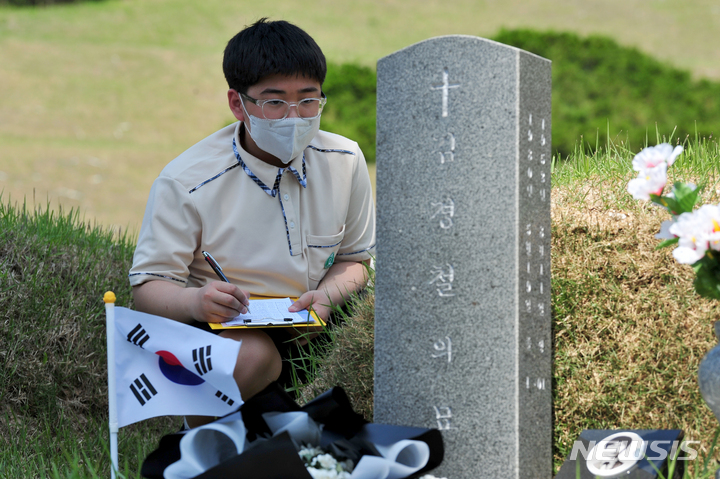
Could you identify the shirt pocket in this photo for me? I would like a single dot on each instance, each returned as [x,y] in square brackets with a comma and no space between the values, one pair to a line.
[321,253]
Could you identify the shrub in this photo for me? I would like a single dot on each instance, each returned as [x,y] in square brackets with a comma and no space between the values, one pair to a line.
[597,83]
[599,88]
[350,110]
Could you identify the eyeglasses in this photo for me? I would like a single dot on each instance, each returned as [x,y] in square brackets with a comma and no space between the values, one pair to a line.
[279,109]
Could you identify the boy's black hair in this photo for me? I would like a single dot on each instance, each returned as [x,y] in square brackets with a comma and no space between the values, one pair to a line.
[268,48]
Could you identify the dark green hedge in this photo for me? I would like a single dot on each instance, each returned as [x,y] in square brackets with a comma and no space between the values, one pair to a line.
[350,110]
[595,81]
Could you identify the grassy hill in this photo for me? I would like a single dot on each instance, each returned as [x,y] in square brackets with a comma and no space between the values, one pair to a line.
[628,329]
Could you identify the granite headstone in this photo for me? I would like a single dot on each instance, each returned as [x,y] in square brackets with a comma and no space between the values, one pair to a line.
[463,328]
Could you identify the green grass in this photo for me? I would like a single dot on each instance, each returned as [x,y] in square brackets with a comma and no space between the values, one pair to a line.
[612,162]
[54,269]
[346,359]
[629,331]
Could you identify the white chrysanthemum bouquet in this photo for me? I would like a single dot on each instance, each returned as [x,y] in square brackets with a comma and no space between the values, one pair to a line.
[323,465]
[695,231]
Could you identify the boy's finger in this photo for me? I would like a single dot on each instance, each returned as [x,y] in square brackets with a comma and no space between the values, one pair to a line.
[241,296]
[221,313]
[302,303]
[246,294]
[237,293]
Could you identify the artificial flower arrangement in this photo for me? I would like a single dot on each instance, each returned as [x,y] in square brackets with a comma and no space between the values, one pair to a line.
[695,231]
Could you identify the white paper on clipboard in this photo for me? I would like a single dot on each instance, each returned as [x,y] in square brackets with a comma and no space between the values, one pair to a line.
[270,312]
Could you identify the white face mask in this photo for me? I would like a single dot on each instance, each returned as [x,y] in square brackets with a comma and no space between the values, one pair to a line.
[284,139]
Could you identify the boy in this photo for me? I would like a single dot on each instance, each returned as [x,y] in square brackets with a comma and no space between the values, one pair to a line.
[285,209]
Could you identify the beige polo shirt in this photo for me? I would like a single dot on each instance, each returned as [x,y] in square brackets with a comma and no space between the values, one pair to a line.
[274,231]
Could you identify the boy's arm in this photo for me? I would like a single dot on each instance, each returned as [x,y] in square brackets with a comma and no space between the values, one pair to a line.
[215,302]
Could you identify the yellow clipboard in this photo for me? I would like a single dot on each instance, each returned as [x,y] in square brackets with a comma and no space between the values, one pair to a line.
[273,322]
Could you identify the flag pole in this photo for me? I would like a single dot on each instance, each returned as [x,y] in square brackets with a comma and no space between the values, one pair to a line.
[109,300]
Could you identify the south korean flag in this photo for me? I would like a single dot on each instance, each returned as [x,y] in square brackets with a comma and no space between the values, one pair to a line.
[167,368]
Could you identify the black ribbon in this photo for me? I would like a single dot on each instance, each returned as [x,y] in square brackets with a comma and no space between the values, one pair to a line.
[345,433]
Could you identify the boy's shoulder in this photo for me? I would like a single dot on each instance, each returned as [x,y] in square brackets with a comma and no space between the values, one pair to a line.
[325,141]
[212,154]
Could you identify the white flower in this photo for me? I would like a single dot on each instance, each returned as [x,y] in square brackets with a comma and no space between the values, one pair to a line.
[322,465]
[697,232]
[310,452]
[652,164]
[324,474]
[649,181]
[325,461]
[653,156]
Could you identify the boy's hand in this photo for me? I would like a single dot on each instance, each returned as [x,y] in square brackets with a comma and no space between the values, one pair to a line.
[314,299]
[218,301]
[317,299]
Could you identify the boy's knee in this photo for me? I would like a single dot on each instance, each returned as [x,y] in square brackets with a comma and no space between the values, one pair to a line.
[265,356]
[258,363]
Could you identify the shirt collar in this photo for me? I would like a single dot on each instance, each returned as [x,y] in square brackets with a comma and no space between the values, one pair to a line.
[266,176]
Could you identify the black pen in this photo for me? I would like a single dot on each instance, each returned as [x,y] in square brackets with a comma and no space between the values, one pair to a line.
[218,270]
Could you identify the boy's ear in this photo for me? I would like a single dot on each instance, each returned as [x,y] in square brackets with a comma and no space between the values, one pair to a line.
[235,104]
